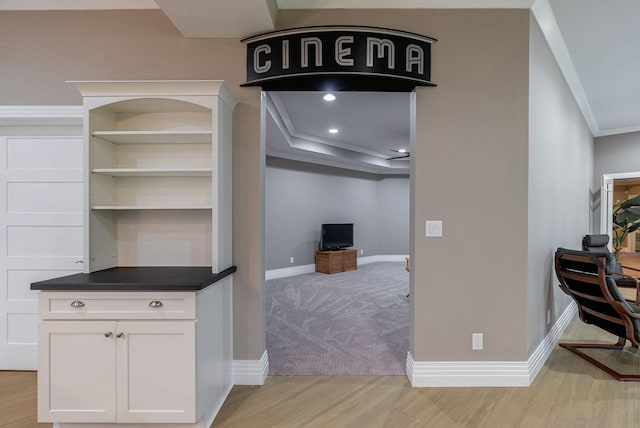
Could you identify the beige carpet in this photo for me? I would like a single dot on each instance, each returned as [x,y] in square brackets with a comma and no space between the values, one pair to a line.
[350,323]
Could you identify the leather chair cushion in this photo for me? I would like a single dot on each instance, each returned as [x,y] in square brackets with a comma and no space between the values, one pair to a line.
[597,243]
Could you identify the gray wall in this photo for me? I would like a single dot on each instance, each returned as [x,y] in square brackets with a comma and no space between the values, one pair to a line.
[470,171]
[560,174]
[302,196]
[614,154]
[393,215]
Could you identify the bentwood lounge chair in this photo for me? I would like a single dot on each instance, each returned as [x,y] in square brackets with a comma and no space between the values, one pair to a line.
[588,278]
[598,244]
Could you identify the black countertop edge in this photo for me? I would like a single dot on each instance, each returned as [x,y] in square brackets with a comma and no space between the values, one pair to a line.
[163,278]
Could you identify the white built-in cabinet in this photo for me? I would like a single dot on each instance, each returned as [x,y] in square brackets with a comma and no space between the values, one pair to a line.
[157,194]
[134,357]
[98,367]
[158,174]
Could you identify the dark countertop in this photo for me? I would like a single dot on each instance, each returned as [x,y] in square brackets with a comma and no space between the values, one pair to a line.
[161,278]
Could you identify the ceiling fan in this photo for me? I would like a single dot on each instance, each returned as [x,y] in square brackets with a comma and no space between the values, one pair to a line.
[403,154]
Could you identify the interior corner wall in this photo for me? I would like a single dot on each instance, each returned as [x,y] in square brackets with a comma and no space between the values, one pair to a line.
[561,158]
[614,154]
[300,197]
[248,233]
[393,215]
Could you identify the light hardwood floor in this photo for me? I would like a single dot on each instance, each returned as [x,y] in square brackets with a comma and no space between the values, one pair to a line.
[630,263]
[18,400]
[568,392]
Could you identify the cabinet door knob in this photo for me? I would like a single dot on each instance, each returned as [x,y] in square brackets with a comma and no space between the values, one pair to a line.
[77,304]
[120,335]
[108,334]
[155,304]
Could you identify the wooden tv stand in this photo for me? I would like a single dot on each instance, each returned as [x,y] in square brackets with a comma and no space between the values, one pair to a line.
[336,261]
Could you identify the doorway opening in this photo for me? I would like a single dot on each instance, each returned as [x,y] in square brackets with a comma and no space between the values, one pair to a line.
[616,189]
[345,159]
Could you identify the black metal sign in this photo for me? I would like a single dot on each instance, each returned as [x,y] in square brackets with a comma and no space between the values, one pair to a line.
[339,58]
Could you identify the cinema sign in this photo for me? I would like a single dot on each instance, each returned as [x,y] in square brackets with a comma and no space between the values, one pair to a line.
[339,58]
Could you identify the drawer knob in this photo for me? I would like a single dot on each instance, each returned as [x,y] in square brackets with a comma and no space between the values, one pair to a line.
[108,334]
[155,304]
[120,335]
[77,304]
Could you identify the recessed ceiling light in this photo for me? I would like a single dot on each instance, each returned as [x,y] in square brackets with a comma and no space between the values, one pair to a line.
[329,97]
[402,150]
[333,131]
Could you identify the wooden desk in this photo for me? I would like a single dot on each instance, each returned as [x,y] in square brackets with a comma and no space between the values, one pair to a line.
[336,261]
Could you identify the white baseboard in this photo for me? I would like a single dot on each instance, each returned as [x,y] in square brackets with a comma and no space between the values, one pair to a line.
[210,417]
[381,258]
[487,373]
[290,271]
[250,372]
[302,269]
[542,352]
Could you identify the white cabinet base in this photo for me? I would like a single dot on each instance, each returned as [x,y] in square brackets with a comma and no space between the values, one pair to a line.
[135,373]
[204,422]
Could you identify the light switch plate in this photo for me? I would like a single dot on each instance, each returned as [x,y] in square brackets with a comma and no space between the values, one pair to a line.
[434,228]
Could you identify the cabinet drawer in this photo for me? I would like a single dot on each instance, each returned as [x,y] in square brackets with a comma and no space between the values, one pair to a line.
[117,305]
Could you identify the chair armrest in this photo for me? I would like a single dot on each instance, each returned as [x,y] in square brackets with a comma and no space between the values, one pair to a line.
[624,275]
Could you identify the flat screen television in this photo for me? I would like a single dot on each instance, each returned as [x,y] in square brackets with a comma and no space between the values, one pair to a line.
[336,236]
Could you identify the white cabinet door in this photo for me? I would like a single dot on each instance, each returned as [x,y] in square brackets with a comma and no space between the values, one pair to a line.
[77,371]
[156,371]
[41,204]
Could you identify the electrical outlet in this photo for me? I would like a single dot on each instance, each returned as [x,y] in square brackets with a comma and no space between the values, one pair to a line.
[361,252]
[477,342]
[548,316]
[290,259]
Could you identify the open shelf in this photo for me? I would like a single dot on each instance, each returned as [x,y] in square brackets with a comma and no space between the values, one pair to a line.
[142,207]
[158,183]
[153,172]
[155,137]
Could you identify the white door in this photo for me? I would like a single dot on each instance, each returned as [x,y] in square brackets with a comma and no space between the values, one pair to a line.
[156,371]
[77,377]
[40,230]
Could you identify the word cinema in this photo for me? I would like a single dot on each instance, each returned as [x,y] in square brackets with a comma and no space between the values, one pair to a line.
[291,59]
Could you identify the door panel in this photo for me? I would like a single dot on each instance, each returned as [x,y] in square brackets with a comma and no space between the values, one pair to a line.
[41,226]
[79,382]
[156,371]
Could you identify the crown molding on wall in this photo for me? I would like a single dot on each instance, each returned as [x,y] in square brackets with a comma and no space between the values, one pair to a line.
[543,14]
[616,131]
[405,4]
[355,158]
[77,4]
[29,112]
[41,115]
[283,120]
